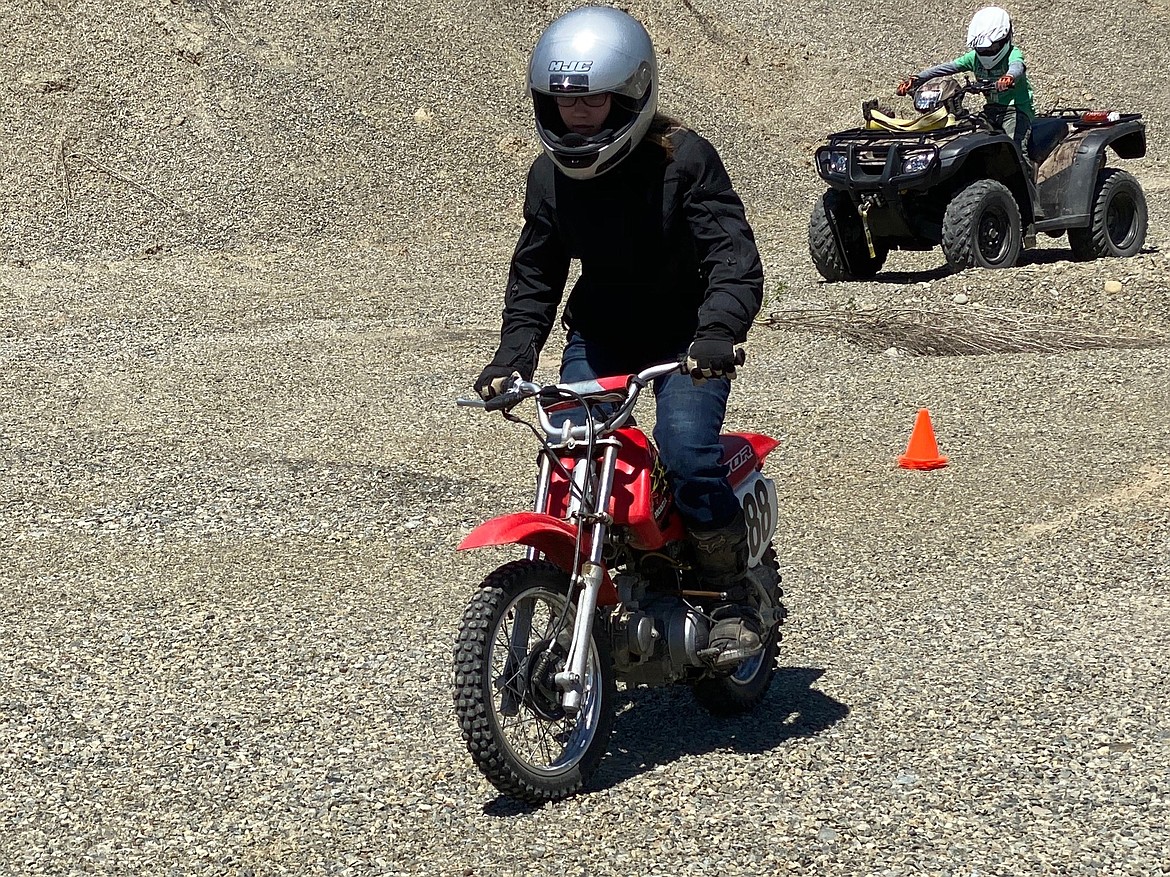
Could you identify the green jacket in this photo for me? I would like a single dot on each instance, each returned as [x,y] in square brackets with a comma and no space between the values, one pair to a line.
[1018,96]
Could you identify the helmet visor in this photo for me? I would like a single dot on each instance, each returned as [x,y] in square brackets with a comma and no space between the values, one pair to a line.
[990,51]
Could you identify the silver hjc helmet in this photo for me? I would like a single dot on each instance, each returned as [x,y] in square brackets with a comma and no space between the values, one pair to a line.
[592,50]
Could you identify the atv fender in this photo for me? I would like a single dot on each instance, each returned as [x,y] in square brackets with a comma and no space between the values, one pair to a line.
[988,155]
[1068,182]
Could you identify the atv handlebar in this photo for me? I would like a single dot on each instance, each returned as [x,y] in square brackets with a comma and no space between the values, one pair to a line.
[977,85]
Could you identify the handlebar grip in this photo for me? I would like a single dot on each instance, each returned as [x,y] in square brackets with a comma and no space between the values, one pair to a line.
[502,401]
[740,356]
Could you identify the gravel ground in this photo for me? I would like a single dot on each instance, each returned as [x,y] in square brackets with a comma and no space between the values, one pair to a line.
[232,476]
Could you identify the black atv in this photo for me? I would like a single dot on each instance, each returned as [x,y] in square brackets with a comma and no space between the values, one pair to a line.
[951,177]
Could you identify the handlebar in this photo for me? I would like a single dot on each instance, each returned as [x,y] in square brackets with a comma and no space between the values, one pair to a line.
[514,393]
[600,390]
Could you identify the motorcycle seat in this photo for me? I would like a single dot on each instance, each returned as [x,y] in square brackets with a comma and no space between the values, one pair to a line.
[1046,134]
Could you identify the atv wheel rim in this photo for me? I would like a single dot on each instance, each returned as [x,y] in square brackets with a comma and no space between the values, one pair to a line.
[1120,222]
[993,235]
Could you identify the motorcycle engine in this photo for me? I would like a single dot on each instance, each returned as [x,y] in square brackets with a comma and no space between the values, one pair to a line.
[659,642]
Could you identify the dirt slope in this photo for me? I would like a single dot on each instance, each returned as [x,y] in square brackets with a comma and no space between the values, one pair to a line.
[135,127]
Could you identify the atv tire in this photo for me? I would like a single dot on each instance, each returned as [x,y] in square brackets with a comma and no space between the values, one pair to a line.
[981,227]
[836,241]
[1119,219]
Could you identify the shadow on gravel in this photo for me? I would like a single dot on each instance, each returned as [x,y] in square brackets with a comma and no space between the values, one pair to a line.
[659,725]
[664,724]
[1050,256]
[904,277]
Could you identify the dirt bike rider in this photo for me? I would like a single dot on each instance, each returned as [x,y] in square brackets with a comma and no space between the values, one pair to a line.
[993,58]
[669,268]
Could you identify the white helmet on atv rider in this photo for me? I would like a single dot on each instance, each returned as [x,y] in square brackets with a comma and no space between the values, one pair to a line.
[990,35]
[593,50]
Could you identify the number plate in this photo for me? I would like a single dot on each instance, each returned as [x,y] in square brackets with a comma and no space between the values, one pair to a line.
[757,496]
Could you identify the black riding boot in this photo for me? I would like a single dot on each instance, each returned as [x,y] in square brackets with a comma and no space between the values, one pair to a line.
[721,560]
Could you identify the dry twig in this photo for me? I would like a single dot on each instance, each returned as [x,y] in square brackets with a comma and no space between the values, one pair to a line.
[63,168]
[106,169]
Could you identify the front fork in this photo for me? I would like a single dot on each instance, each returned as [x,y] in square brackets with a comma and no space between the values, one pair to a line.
[592,574]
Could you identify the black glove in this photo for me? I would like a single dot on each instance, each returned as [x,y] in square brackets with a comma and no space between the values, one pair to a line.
[712,358]
[506,363]
[492,379]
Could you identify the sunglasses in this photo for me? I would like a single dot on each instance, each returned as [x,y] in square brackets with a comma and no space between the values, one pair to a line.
[590,100]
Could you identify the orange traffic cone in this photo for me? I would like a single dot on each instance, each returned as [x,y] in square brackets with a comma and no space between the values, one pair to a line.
[922,451]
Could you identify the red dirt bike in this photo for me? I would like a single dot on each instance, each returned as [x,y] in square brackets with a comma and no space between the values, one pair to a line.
[606,591]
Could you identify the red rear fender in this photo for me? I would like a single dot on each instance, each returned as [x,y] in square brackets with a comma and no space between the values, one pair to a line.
[761,444]
[744,453]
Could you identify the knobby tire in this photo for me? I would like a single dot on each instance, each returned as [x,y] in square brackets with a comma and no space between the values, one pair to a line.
[480,687]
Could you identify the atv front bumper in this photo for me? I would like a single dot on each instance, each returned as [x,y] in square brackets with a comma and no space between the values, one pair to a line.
[889,167]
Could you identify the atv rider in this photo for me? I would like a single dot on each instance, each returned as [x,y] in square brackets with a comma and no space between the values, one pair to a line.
[669,269]
[993,58]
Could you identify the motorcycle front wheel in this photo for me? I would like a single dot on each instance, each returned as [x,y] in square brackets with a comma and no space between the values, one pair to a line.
[513,640]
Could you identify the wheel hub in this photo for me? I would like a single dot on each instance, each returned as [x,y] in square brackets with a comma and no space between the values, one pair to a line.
[541,693]
[1119,221]
[992,234]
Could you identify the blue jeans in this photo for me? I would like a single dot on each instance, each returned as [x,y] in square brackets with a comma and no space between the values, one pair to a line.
[689,420]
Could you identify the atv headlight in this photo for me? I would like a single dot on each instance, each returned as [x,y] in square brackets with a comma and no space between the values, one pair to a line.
[925,101]
[837,162]
[917,162]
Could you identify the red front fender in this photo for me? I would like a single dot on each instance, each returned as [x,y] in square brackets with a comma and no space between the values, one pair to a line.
[551,536]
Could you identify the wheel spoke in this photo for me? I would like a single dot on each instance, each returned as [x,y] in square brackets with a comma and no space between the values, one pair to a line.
[548,743]
[515,637]
[544,742]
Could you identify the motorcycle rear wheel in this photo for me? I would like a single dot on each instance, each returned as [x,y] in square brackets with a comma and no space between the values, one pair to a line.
[510,645]
[743,690]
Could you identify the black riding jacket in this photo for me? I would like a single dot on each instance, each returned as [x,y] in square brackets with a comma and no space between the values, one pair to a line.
[666,253]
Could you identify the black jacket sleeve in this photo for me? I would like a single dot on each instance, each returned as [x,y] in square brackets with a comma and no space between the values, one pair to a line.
[536,280]
[726,247]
